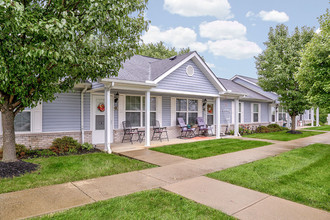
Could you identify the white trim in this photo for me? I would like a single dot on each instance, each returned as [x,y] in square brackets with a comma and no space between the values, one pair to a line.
[36,118]
[173,111]
[236,76]
[242,113]
[107,80]
[259,112]
[200,108]
[218,121]
[159,110]
[147,117]
[176,92]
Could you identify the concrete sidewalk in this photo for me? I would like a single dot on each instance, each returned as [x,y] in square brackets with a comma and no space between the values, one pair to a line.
[179,175]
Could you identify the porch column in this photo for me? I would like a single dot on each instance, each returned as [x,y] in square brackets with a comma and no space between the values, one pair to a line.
[217,108]
[317,116]
[107,128]
[312,115]
[236,133]
[147,119]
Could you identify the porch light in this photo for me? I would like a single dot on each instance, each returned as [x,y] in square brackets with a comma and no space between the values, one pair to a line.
[116,97]
[204,102]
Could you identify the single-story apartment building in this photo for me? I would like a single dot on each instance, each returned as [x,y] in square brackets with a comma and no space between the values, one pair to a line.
[145,90]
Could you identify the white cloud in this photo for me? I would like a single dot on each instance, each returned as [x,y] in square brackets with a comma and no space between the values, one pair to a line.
[217,30]
[192,8]
[234,49]
[274,15]
[318,31]
[211,65]
[179,37]
[249,14]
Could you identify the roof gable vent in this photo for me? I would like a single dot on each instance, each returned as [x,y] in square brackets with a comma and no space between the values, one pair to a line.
[190,70]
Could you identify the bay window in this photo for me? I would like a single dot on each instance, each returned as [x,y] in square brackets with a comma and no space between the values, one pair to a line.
[187,109]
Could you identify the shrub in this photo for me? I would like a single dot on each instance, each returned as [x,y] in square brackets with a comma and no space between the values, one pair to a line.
[65,145]
[21,150]
[46,153]
[87,146]
[262,129]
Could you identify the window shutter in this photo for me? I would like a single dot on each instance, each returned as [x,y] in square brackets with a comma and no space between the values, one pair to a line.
[37,118]
[200,108]
[121,111]
[173,111]
[159,110]
[233,112]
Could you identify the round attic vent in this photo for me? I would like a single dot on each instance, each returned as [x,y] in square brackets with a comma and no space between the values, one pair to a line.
[190,70]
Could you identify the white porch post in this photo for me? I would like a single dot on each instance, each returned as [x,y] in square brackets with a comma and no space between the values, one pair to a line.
[217,108]
[236,118]
[107,129]
[312,115]
[317,116]
[147,119]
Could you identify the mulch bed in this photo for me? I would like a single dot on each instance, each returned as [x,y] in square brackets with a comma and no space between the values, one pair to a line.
[17,168]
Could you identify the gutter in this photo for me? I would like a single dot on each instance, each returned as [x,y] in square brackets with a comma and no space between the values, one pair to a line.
[82,114]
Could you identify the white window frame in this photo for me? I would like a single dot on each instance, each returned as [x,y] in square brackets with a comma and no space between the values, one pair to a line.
[259,112]
[283,113]
[187,109]
[26,110]
[271,114]
[141,111]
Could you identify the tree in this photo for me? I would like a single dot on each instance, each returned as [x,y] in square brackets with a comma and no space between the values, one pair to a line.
[160,51]
[278,64]
[314,72]
[47,46]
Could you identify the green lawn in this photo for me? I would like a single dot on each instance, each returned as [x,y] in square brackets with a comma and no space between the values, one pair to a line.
[282,135]
[209,148]
[301,175]
[320,128]
[55,170]
[153,204]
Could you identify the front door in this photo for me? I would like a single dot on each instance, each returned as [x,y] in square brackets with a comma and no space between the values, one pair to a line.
[98,119]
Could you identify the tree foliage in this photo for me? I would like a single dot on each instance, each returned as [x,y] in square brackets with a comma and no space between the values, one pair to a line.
[278,64]
[47,46]
[314,71]
[160,51]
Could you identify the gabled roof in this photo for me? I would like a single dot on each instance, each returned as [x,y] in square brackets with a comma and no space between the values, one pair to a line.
[246,78]
[237,88]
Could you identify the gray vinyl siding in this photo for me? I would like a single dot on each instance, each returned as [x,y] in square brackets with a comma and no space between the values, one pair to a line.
[264,112]
[166,111]
[225,111]
[247,112]
[256,89]
[63,114]
[180,81]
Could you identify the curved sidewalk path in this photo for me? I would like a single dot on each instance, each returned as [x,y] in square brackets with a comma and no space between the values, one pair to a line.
[176,174]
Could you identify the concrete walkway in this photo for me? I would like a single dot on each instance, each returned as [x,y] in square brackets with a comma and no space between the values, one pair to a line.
[179,175]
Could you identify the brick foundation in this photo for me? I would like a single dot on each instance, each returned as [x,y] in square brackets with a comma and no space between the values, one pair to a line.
[44,140]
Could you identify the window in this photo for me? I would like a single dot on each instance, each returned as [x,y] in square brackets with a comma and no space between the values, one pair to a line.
[135,110]
[210,114]
[255,112]
[273,112]
[309,114]
[22,121]
[240,112]
[187,109]
[281,114]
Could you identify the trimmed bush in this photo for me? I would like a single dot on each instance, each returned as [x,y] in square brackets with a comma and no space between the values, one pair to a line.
[262,129]
[21,150]
[65,145]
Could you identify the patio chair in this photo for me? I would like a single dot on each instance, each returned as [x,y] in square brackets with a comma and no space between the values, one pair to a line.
[185,130]
[158,131]
[129,132]
[202,127]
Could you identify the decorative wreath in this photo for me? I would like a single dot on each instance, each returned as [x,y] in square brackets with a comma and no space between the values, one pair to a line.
[101,107]
[210,109]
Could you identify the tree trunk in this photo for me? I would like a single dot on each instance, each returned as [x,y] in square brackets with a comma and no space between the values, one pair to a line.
[9,149]
[293,123]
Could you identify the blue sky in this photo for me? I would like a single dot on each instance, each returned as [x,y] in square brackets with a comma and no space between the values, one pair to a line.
[227,33]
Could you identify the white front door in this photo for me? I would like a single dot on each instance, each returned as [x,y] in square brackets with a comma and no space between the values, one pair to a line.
[98,119]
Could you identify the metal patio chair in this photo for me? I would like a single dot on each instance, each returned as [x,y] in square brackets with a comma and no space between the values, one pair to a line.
[129,132]
[202,127]
[185,130]
[158,131]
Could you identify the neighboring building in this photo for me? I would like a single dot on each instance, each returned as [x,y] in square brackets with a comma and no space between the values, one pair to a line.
[181,86]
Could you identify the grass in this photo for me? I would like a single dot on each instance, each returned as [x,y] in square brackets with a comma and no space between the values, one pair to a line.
[282,135]
[56,170]
[152,204]
[301,175]
[320,128]
[209,148]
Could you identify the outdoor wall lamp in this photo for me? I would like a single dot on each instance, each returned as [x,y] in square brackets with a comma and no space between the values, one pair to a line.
[116,98]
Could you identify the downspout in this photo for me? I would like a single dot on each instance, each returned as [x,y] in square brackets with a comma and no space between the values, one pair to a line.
[82,114]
